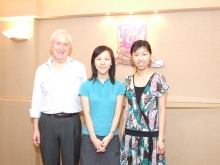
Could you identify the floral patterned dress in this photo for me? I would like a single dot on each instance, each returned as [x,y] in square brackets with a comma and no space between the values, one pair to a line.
[135,150]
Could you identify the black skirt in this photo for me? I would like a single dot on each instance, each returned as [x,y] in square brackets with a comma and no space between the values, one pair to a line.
[89,156]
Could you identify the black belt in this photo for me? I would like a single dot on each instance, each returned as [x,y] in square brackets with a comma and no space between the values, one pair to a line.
[62,115]
[141,133]
[144,134]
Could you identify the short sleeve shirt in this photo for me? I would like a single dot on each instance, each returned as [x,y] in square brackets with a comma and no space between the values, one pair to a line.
[102,100]
[154,89]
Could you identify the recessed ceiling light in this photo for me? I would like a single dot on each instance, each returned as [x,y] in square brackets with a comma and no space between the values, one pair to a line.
[107,13]
[131,12]
[155,11]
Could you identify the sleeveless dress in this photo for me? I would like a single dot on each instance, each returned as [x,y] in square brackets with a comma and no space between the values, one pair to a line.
[135,148]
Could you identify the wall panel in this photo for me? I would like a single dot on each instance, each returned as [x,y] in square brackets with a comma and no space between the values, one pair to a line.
[187,41]
[55,8]
[12,8]
[192,136]
[16,134]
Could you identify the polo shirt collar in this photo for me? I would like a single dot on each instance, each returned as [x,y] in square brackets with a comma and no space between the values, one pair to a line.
[97,79]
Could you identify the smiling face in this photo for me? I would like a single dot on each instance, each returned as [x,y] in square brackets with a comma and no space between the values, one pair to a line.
[141,58]
[60,46]
[103,63]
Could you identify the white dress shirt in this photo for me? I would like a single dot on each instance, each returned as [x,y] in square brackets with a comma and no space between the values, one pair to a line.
[56,92]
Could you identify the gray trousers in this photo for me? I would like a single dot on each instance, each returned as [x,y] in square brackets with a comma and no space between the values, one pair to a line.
[60,136]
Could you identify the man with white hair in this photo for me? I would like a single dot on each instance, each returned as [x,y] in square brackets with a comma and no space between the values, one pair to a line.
[56,104]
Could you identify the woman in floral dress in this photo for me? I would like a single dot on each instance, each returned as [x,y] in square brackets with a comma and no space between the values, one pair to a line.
[143,121]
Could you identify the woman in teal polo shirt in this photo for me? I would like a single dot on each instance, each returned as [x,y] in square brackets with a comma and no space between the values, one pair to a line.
[102,99]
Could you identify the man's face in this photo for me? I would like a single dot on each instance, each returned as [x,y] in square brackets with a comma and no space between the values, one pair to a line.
[60,47]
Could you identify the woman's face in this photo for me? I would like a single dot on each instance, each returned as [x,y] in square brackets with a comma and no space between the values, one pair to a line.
[141,58]
[103,63]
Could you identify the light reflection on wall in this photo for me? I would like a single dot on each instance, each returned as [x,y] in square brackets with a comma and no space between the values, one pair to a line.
[156,18]
[109,20]
[132,19]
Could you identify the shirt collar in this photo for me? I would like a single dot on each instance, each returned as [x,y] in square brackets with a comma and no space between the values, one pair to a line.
[69,60]
[108,79]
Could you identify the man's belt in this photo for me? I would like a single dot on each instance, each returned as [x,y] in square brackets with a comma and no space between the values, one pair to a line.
[62,115]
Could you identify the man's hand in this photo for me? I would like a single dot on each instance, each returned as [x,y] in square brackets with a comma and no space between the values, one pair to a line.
[36,137]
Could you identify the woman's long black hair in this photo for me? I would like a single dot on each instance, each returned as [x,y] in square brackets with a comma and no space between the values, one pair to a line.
[111,71]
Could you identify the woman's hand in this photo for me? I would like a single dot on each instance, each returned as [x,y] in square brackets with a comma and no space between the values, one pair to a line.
[121,136]
[107,139]
[160,147]
[98,145]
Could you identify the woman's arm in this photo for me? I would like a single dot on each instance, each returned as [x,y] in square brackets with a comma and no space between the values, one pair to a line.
[115,121]
[89,124]
[123,120]
[162,122]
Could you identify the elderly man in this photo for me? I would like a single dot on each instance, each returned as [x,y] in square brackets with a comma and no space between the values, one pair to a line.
[56,104]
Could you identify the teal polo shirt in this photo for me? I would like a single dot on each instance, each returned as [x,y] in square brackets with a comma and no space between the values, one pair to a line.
[102,101]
